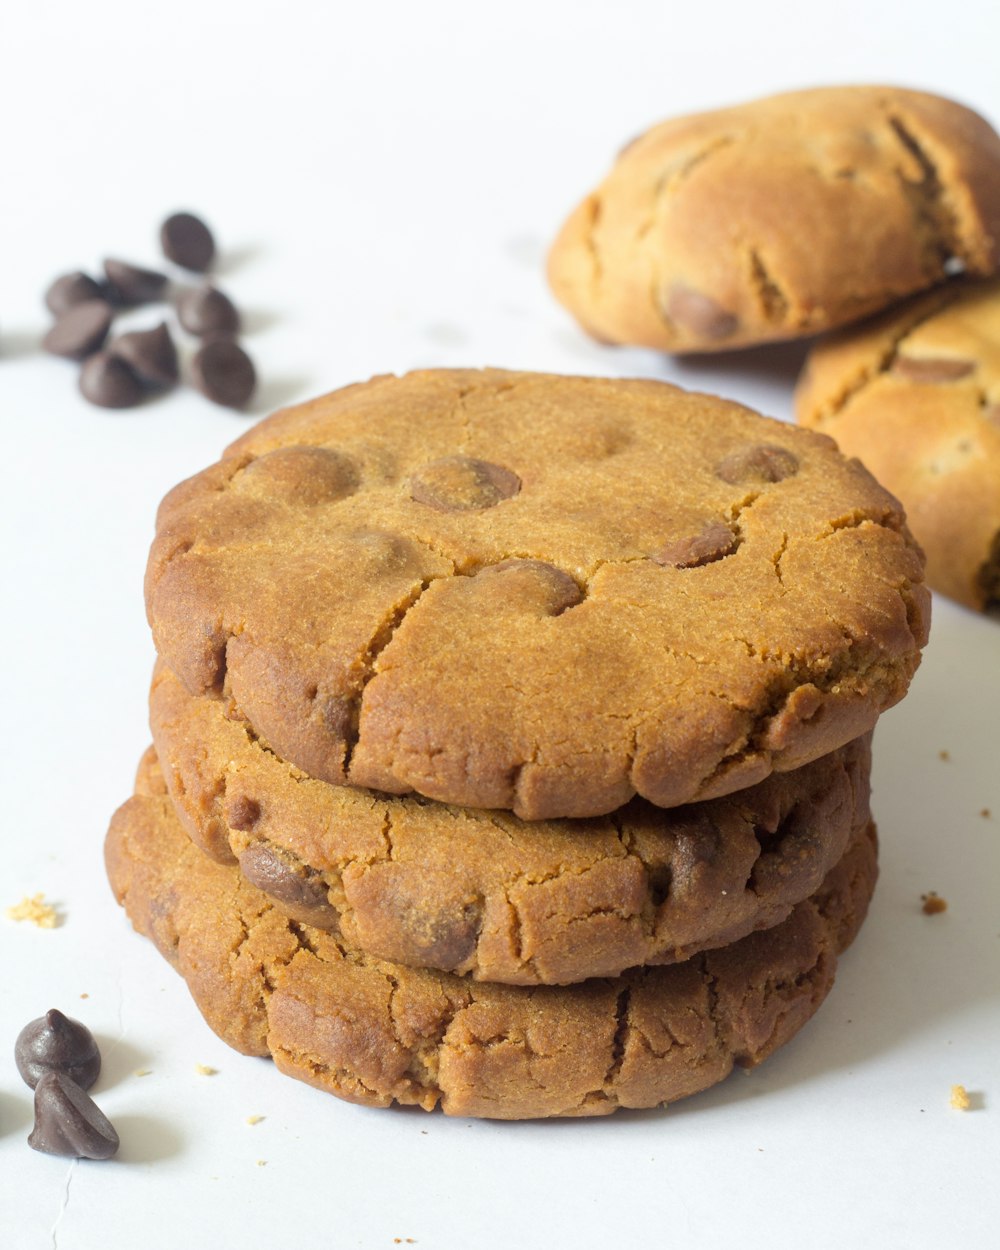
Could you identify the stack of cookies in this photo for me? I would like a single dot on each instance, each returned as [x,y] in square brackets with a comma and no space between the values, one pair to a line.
[512,737]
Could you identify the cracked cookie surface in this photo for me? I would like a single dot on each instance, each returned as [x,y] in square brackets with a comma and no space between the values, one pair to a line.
[915,394]
[485,894]
[781,218]
[538,593]
[374,1032]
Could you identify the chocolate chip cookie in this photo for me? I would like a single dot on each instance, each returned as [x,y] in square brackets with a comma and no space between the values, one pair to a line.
[915,394]
[781,218]
[375,1032]
[539,593]
[486,894]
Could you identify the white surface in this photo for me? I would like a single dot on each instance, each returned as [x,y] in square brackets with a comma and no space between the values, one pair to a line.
[383,180]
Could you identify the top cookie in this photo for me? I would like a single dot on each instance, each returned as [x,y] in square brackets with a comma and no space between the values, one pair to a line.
[539,593]
[781,218]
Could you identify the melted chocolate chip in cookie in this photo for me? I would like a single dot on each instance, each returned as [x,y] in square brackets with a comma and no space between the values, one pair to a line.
[712,543]
[761,462]
[462,484]
[931,369]
[700,314]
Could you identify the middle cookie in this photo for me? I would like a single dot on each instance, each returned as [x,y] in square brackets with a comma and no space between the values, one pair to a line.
[485,894]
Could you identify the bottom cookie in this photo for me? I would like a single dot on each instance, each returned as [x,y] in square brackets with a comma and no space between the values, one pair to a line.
[374,1032]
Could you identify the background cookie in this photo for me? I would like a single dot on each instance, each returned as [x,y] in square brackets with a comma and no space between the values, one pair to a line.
[374,1032]
[484,893]
[916,395]
[538,592]
[780,218]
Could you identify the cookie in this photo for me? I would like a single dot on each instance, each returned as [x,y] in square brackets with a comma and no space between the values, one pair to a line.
[374,1032]
[781,218]
[486,894]
[538,593]
[915,394]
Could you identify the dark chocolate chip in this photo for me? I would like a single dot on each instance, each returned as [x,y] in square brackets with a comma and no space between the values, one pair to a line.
[461,484]
[109,382]
[205,312]
[242,812]
[929,369]
[303,475]
[338,716]
[187,241]
[700,314]
[69,290]
[69,1122]
[80,330]
[712,543]
[55,1043]
[563,590]
[131,285]
[224,373]
[760,462]
[150,353]
[269,871]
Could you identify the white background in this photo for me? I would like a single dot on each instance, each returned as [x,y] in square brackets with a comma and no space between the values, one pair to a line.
[383,180]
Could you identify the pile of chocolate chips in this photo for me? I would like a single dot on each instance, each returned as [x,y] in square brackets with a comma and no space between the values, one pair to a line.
[123,372]
[59,1059]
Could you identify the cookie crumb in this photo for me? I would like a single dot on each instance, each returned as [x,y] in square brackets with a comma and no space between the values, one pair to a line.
[255,1119]
[204,1070]
[36,910]
[142,1072]
[985,813]
[933,903]
[960,1098]
[262,1163]
[944,755]
[84,995]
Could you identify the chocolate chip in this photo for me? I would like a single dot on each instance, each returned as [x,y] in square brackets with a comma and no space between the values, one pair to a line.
[339,717]
[269,871]
[929,369]
[563,590]
[69,290]
[303,475]
[80,330]
[761,462]
[131,285]
[700,314]
[715,541]
[187,241]
[461,484]
[109,382]
[69,1122]
[242,812]
[150,353]
[224,373]
[206,311]
[55,1043]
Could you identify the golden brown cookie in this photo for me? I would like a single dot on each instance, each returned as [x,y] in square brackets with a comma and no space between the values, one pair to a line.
[375,1032]
[486,894]
[915,394]
[539,593]
[781,218]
